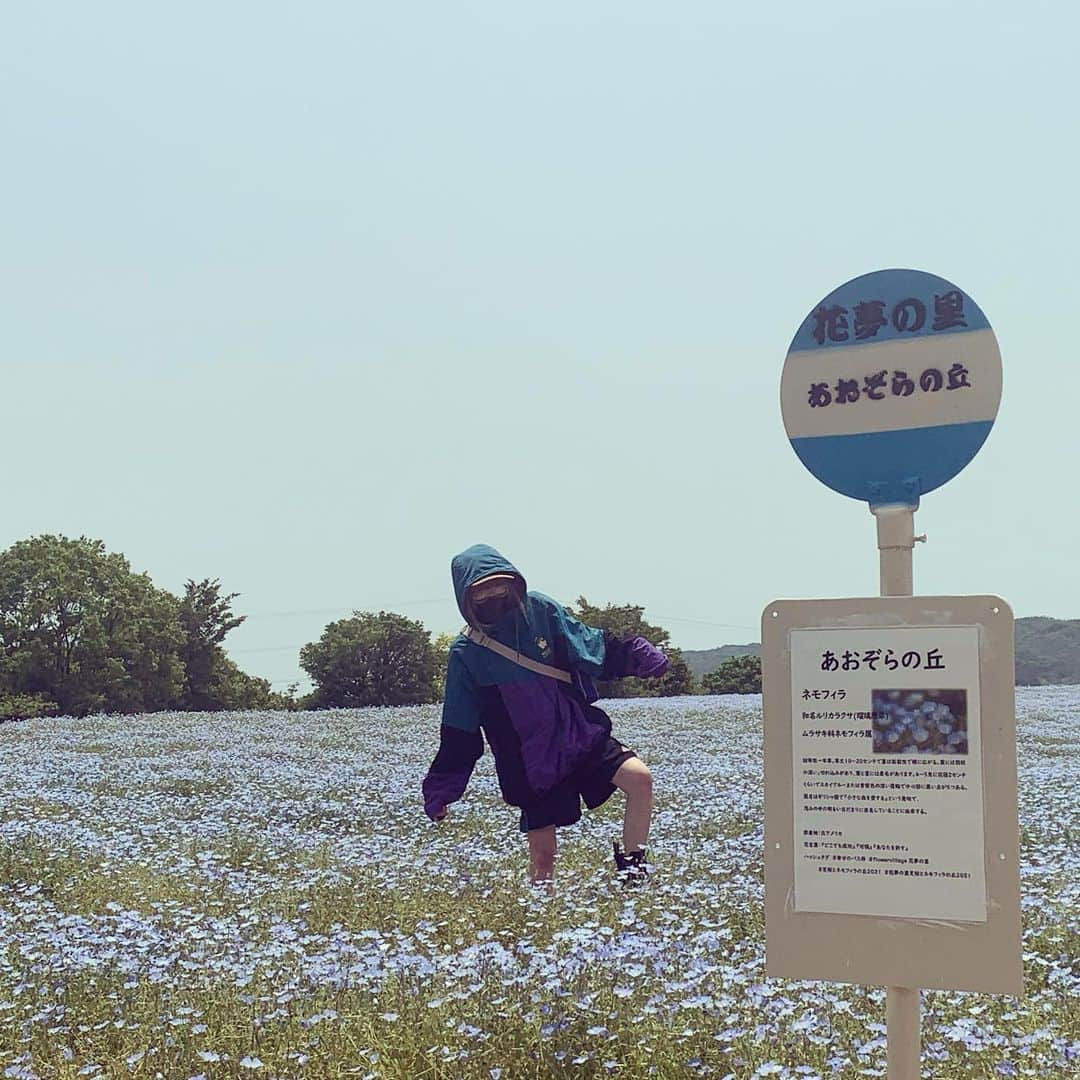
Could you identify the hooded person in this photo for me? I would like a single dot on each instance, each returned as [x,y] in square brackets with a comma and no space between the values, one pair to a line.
[522,673]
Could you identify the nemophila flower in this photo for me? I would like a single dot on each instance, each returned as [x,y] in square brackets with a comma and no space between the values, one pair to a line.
[20,1072]
[686,948]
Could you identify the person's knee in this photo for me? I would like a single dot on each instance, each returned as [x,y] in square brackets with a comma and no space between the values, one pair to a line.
[637,780]
[645,782]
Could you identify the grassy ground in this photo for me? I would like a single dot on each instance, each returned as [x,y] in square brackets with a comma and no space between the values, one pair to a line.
[260,895]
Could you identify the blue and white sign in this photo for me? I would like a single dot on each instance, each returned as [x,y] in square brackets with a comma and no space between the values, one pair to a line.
[891,386]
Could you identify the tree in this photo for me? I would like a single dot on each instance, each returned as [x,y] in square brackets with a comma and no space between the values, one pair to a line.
[441,645]
[25,706]
[231,688]
[79,632]
[383,659]
[677,680]
[628,620]
[737,675]
[211,679]
[79,629]
[288,700]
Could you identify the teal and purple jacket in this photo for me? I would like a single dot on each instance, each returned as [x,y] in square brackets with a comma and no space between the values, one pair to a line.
[540,729]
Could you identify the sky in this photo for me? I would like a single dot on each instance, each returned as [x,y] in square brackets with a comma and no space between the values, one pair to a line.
[309,297]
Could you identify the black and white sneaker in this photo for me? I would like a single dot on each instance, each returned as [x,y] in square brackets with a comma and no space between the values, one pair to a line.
[631,866]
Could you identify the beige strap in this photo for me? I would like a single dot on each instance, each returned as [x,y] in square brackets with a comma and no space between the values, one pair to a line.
[515,657]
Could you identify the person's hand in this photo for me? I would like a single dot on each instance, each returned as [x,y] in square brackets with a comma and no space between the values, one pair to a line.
[440,814]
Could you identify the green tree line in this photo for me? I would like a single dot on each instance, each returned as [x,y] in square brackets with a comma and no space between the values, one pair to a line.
[81,633]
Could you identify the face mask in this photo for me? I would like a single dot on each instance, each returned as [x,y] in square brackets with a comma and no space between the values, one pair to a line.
[491,610]
[493,603]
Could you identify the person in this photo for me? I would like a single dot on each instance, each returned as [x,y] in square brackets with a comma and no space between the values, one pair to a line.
[522,673]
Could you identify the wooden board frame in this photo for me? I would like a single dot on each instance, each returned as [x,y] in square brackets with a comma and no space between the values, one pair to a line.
[871,949]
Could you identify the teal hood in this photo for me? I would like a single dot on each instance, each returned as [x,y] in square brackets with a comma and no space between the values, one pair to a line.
[475,563]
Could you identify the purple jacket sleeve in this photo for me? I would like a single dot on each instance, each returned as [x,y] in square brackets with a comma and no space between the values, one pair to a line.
[632,656]
[460,742]
[645,659]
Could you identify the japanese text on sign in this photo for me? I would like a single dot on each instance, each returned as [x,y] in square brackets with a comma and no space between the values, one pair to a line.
[848,660]
[876,387]
[886,761]
[836,323]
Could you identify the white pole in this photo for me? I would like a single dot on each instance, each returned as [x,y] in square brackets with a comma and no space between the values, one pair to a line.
[896,540]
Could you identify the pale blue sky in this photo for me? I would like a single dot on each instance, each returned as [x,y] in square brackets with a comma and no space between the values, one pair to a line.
[309,297]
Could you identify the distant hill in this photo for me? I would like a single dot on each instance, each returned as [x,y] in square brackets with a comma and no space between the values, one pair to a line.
[702,661]
[1047,652]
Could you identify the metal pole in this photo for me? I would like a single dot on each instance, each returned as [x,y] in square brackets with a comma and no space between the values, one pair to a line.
[896,541]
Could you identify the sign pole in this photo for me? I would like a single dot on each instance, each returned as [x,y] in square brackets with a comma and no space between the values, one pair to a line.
[902,1022]
[890,386]
[896,542]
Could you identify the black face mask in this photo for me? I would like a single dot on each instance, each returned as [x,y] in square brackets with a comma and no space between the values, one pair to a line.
[493,609]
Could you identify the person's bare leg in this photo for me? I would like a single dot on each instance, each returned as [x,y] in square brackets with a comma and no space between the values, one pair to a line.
[633,778]
[542,848]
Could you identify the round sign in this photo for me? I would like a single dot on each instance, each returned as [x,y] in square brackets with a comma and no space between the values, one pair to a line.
[891,385]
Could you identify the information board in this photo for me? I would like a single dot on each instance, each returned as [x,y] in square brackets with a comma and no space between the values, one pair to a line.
[892,841]
[885,772]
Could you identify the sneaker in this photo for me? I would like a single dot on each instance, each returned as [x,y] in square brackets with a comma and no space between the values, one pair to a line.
[630,866]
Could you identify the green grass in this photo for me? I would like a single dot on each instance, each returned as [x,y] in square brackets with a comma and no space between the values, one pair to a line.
[254,898]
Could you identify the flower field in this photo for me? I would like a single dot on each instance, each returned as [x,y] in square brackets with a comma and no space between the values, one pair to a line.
[260,895]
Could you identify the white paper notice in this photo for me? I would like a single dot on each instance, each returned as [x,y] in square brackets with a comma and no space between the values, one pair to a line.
[888,772]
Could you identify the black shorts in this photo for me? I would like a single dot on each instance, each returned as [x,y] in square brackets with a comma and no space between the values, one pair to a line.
[562,805]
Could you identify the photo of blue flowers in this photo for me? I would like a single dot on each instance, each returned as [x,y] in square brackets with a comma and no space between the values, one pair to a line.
[920,721]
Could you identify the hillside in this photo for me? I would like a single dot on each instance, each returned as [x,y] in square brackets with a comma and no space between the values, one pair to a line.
[1047,652]
[702,661]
